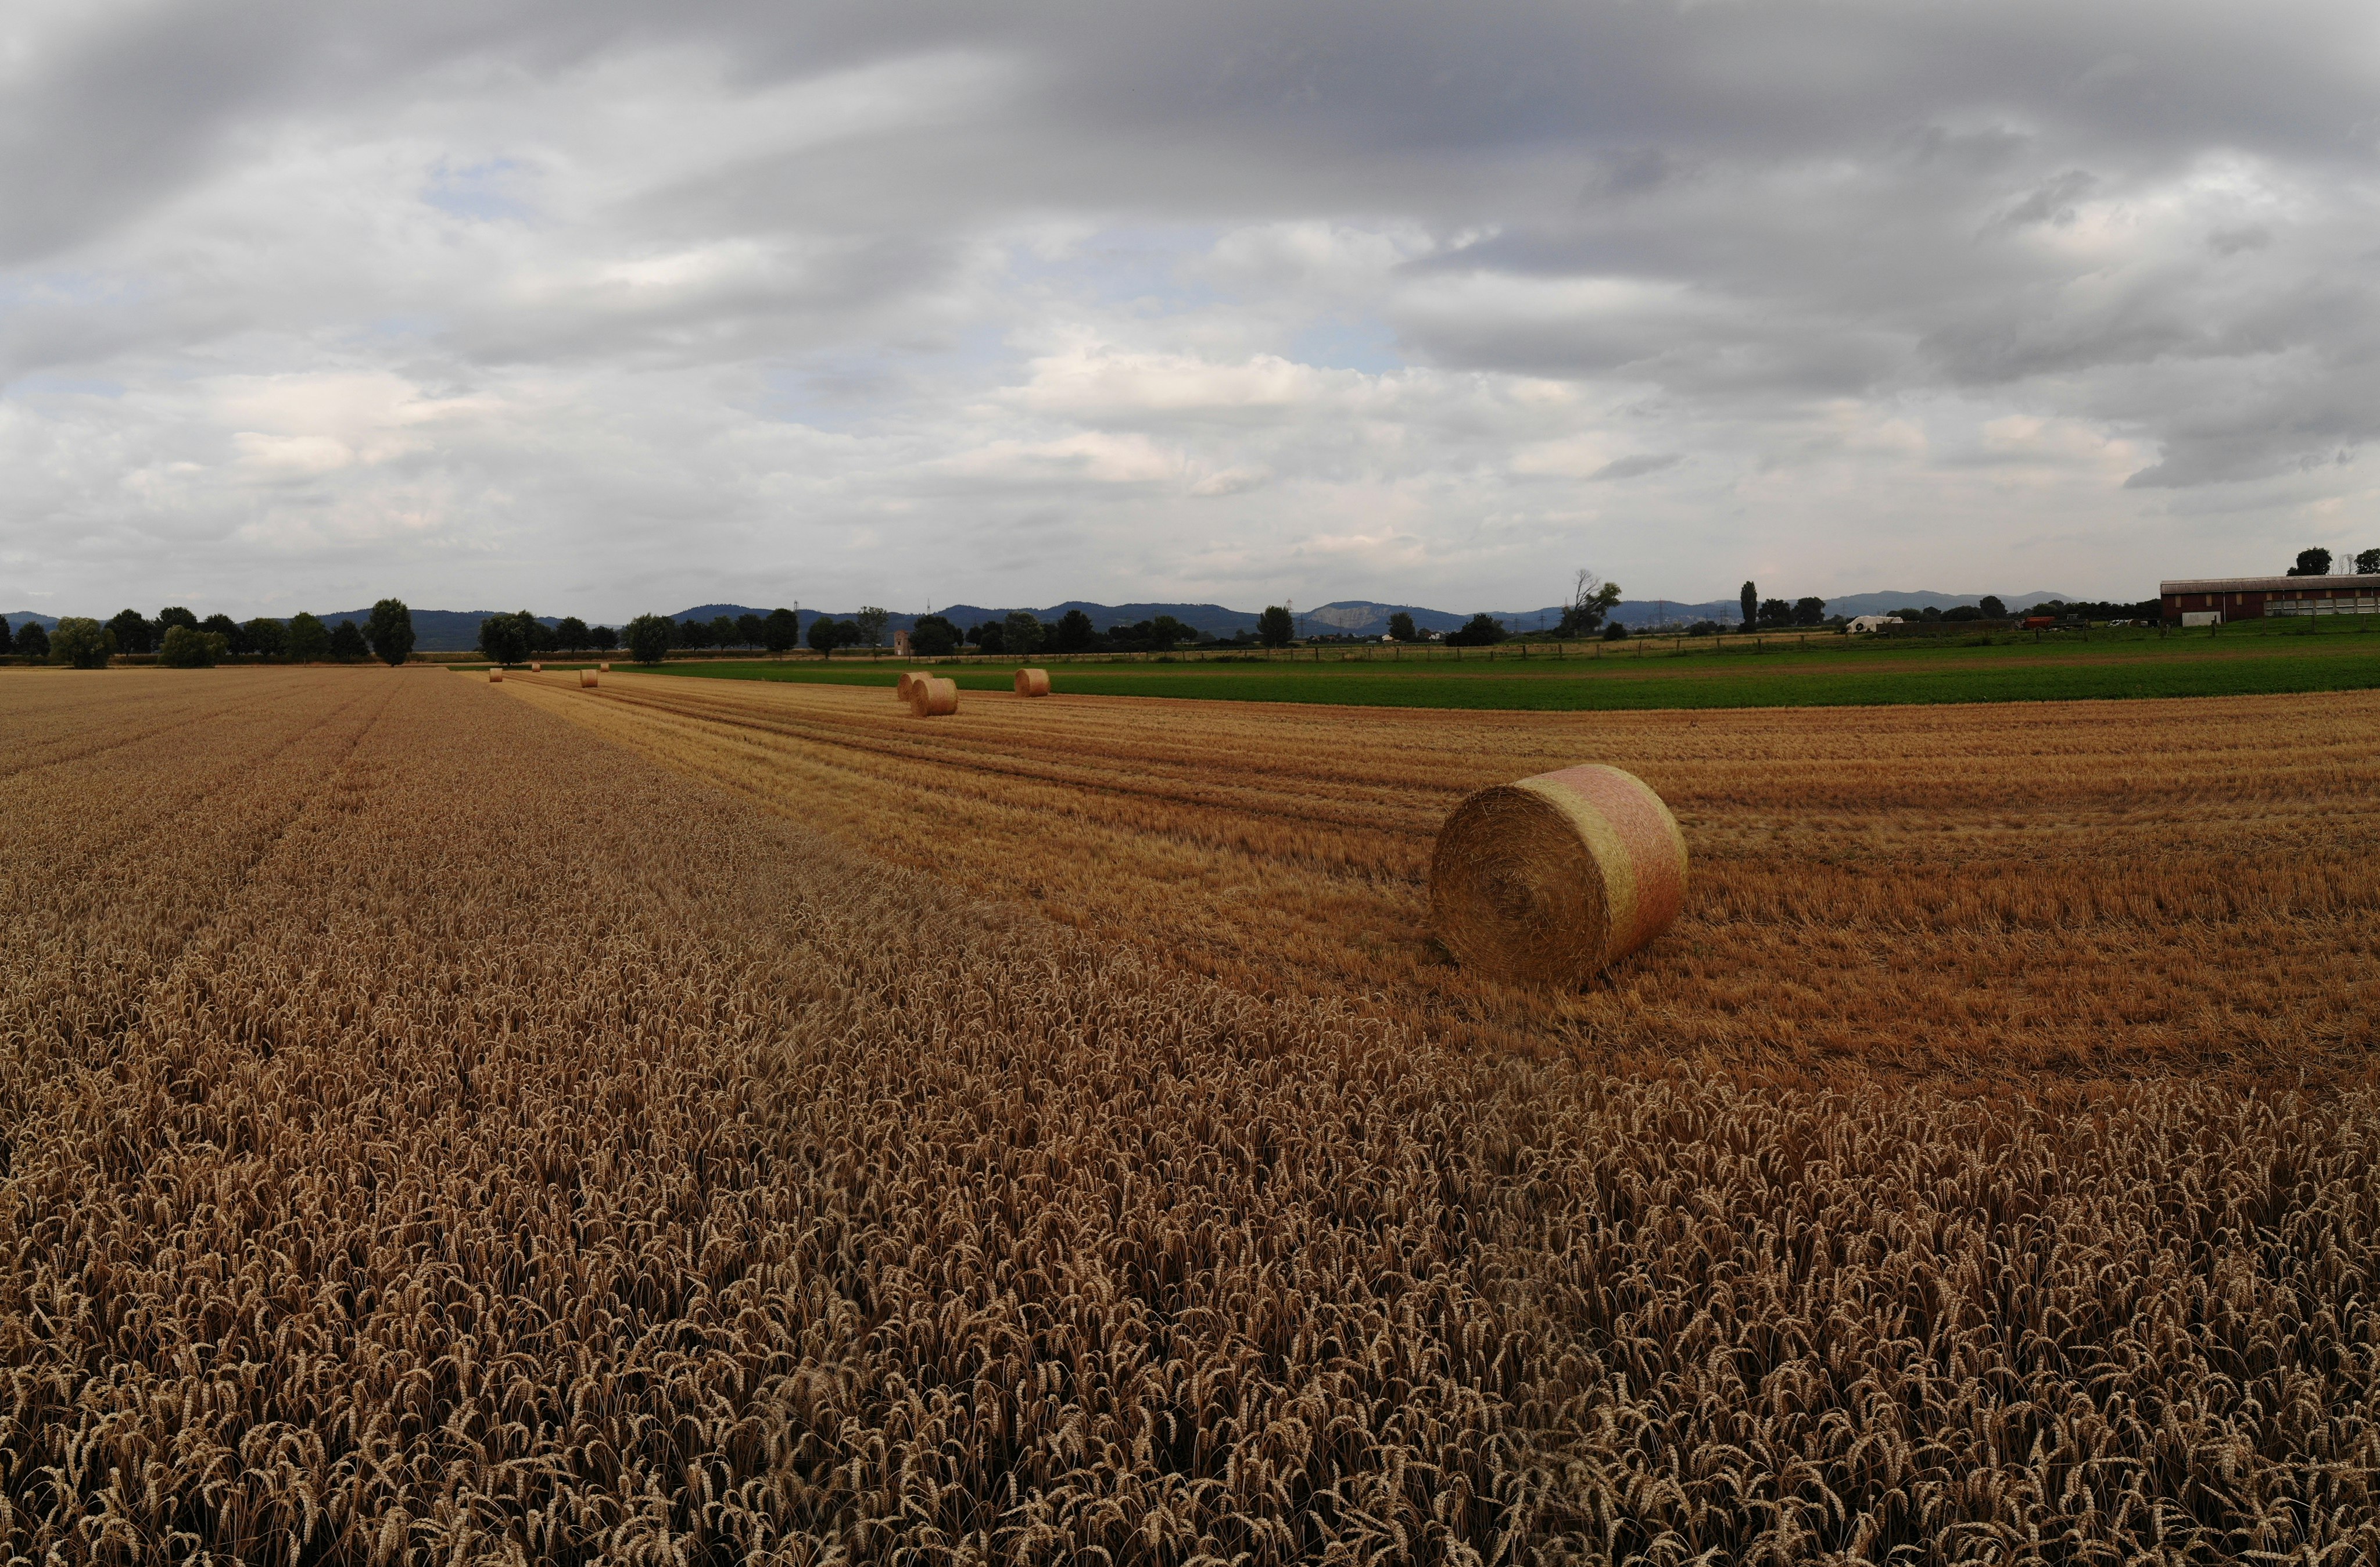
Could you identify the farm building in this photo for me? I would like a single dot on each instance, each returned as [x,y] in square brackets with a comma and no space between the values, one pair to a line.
[1865,623]
[2213,599]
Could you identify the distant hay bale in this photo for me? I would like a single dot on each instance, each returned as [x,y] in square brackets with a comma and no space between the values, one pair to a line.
[932,697]
[586,679]
[1032,681]
[1556,878]
[495,676]
[536,668]
[605,666]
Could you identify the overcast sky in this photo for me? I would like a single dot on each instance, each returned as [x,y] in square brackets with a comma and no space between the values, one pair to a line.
[600,308]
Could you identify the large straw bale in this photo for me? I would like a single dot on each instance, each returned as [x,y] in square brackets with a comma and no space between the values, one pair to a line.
[1555,878]
[909,679]
[535,667]
[1032,681]
[932,697]
[587,680]
[605,666]
[495,676]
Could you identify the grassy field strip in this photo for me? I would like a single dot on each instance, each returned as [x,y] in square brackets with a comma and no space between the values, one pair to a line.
[1985,890]
[1851,675]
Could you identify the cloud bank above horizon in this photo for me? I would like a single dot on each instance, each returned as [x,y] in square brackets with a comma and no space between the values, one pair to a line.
[596,309]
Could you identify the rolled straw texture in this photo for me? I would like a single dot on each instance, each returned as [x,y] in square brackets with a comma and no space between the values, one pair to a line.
[586,678]
[930,698]
[1556,878]
[1032,681]
[909,678]
[495,677]
[536,668]
[606,668]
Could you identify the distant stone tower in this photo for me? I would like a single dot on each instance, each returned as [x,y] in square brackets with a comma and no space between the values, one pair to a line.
[901,643]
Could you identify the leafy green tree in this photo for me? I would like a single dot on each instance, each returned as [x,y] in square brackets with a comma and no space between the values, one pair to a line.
[1021,634]
[1274,628]
[991,636]
[1481,631]
[1615,632]
[348,644]
[536,634]
[235,635]
[266,637]
[502,640]
[694,634]
[751,631]
[390,631]
[603,639]
[1073,634]
[570,634]
[1591,600]
[2368,563]
[83,643]
[1165,633]
[827,634]
[1810,612]
[649,638]
[34,641]
[188,648]
[934,636]
[781,632]
[1774,614]
[2312,562]
[1401,626]
[722,631]
[8,637]
[133,634]
[173,616]
[1992,607]
[1750,600]
[1964,613]
[870,621]
[309,641]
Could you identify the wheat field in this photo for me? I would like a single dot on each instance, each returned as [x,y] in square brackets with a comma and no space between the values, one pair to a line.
[2002,892]
[430,1132]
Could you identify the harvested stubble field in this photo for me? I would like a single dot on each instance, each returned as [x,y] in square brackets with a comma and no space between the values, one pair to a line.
[1980,892]
[432,1135]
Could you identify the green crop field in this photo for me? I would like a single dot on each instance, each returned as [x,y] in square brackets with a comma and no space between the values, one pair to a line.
[1825,672]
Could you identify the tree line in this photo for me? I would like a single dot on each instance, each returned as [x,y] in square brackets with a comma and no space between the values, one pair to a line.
[180,639]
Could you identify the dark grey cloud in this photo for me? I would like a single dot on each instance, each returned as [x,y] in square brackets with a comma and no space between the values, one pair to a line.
[304,295]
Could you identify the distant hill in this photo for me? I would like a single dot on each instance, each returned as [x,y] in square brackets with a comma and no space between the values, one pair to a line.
[435,631]
[21,617]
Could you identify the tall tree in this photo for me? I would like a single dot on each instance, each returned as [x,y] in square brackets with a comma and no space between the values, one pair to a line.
[234,634]
[1274,628]
[570,634]
[2312,562]
[2368,563]
[8,637]
[1810,612]
[390,631]
[1750,600]
[309,640]
[781,632]
[991,636]
[603,639]
[1076,633]
[266,637]
[174,615]
[934,636]
[1591,600]
[1401,626]
[1992,607]
[348,644]
[186,647]
[650,636]
[1021,633]
[751,631]
[722,631]
[502,638]
[32,640]
[827,634]
[1776,613]
[133,634]
[83,643]
[1480,631]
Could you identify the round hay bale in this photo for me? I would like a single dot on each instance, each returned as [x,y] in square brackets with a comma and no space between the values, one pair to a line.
[586,679]
[1554,879]
[495,677]
[605,666]
[535,667]
[902,687]
[931,697]
[1032,681]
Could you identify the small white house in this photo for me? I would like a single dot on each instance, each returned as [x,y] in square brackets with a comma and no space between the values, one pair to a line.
[1871,622]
